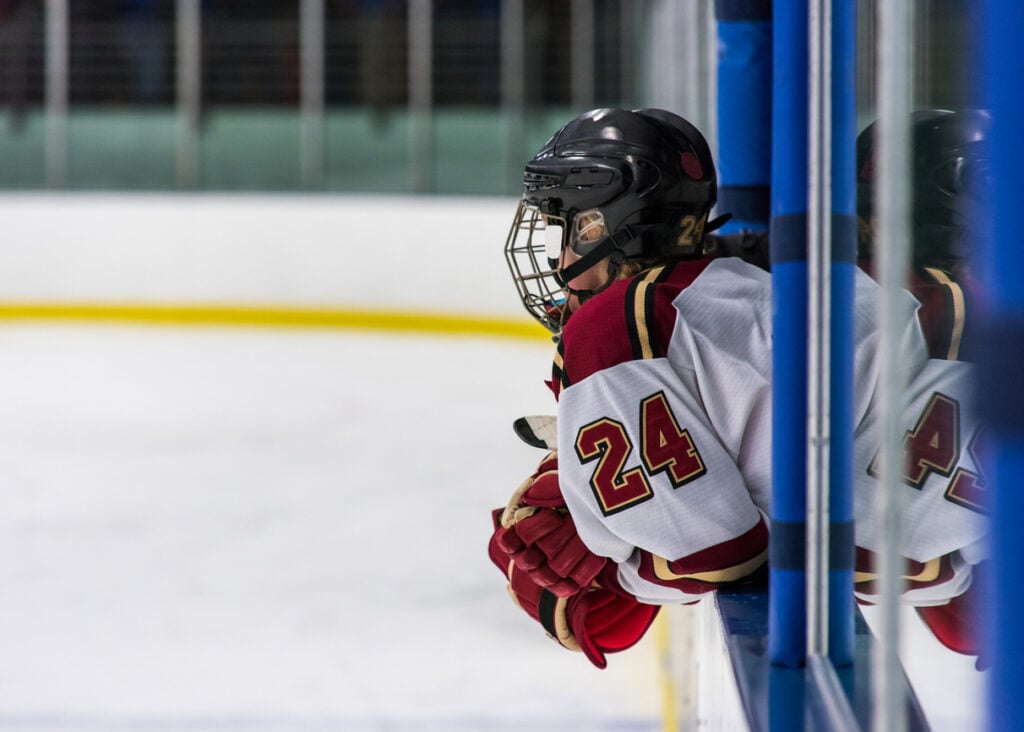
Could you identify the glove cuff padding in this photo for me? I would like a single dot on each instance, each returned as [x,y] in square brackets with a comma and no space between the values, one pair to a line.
[551,612]
[594,621]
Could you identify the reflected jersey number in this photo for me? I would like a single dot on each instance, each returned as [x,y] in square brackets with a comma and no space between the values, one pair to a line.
[664,448]
[933,447]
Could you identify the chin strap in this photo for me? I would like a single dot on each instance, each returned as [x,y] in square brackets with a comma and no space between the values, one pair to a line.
[612,245]
[614,263]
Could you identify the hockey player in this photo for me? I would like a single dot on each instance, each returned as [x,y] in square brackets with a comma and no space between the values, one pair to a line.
[659,490]
[949,171]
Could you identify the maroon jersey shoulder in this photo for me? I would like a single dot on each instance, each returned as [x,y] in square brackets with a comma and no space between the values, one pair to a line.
[632,319]
[946,311]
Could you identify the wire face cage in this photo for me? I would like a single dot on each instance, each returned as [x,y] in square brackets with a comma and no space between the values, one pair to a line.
[532,249]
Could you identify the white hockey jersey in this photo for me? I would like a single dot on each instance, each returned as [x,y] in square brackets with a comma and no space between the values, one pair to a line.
[664,388]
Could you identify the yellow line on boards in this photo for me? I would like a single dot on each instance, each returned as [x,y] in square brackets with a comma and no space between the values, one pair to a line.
[276,317]
[663,650]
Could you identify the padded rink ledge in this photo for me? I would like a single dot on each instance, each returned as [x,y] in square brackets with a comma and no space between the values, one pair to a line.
[812,698]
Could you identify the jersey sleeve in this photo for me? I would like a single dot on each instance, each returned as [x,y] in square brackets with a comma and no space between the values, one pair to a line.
[933,582]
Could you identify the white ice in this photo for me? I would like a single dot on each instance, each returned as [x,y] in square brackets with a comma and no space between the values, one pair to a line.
[251,529]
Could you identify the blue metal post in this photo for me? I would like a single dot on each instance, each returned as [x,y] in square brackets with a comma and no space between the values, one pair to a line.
[844,255]
[789,188]
[1000,395]
[744,111]
[787,609]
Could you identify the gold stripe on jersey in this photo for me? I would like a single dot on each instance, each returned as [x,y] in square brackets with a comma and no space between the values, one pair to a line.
[929,573]
[956,295]
[638,312]
[558,375]
[729,574]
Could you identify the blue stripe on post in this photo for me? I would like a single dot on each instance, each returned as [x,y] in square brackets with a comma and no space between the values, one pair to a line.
[842,554]
[740,10]
[788,236]
[1003,354]
[788,549]
[788,552]
[750,204]
[844,251]
[789,243]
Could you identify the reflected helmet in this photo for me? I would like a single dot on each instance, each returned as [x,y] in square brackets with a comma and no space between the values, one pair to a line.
[949,171]
[629,185]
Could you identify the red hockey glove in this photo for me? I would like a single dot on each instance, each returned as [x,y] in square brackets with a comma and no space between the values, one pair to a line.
[539,534]
[595,620]
[957,623]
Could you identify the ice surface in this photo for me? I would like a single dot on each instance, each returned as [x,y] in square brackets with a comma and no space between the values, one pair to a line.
[257,529]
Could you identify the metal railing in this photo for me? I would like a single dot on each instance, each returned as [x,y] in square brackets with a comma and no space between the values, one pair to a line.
[513,59]
[311,57]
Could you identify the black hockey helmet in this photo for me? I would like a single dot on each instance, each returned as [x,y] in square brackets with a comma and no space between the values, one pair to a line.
[629,185]
[949,169]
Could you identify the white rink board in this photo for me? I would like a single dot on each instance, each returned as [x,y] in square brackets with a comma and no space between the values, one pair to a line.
[334,251]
